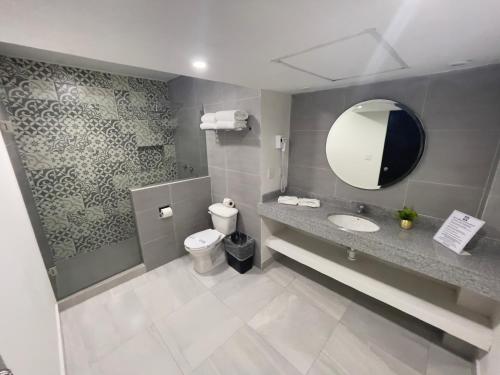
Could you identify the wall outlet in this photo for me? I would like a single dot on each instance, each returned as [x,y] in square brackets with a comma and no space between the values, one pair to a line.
[278,141]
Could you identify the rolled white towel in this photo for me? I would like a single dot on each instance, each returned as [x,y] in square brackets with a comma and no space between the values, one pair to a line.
[208,126]
[309,202]
[208,117]
[230,125]
[287,199]
[233,115]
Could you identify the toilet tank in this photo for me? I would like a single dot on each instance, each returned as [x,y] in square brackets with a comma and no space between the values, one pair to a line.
[223,218]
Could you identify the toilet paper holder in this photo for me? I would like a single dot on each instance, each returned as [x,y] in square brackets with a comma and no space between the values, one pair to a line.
[165,211]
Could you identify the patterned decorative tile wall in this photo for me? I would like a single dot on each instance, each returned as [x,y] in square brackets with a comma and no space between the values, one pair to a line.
[85,138]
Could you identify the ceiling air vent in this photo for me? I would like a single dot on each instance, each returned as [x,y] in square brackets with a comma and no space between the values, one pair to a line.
[362,54]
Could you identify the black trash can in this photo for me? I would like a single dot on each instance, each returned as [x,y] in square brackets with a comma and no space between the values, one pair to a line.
[240,250]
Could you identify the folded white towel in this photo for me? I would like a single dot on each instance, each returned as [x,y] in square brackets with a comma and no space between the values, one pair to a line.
[230,125]
[309,202]
[208,117]
[208,126]
[233,115]
[286,199]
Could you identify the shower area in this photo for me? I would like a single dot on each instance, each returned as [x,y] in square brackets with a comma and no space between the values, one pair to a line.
[78,140]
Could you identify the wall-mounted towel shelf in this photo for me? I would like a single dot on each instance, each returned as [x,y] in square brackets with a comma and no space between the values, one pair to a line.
[229,120]
[232,130]
[229,130]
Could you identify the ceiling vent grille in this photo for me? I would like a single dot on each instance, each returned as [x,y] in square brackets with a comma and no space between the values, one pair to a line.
[364,54]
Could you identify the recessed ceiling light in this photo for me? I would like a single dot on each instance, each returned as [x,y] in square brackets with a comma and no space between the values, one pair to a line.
[199,64]
[359,107]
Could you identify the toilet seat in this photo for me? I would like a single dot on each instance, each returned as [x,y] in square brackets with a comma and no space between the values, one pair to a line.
[203,240]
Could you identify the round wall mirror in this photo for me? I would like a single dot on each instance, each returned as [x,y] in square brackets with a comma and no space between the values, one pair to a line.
[375,144]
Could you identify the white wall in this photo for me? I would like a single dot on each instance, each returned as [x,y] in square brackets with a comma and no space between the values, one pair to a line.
[275,120]
[29,340]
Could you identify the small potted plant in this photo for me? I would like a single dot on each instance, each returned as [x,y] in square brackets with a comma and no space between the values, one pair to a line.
[407,216]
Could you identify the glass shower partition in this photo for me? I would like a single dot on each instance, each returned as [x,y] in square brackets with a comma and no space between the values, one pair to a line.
[79,140]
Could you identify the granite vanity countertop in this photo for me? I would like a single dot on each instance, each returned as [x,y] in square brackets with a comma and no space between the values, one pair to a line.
[414,249]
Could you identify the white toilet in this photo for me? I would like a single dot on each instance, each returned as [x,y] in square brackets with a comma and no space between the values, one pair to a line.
[206,247]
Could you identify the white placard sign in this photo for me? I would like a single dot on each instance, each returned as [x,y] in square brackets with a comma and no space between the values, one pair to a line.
[457,231]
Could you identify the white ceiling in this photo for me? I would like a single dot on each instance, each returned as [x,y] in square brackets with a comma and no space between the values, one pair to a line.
[239,38]
[355,56]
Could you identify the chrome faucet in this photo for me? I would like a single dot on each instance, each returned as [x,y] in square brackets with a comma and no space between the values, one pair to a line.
[360,208]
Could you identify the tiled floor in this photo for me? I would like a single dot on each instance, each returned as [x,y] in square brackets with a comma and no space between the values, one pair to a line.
[174,321]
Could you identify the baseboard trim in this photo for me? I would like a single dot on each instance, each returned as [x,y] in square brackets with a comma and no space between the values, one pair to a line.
[271,260]
[101,287]
[60,343]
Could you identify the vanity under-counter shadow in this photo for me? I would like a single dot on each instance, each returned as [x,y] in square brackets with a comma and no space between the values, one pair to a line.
[405,270]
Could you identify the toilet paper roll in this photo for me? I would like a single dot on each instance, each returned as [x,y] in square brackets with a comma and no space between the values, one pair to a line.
[166,212]
[228,202]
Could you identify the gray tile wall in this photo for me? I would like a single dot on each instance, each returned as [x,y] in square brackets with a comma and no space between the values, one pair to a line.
[460,112]
[162,240]
[233,157]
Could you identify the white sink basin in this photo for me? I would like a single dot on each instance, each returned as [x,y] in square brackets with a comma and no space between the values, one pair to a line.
[354,223]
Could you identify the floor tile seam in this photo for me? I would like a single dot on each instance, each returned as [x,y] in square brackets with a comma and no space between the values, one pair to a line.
[217,283]
[337,322]
[226,306]
[209,361]
[285,290]
[122,342]
[187,269]
[316,304]
[66,349]
[235,313]
[290,282]
[428,360]
[349,304]
[163,316]
[406,332]
[190,276]
[143,309]
[165,345]
[263,338]
[217,348]
[372,343]
[324,353]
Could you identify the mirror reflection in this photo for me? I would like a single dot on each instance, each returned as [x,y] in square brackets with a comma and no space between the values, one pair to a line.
[375,144]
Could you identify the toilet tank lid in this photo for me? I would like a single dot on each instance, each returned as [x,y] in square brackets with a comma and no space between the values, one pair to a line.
[220,210]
